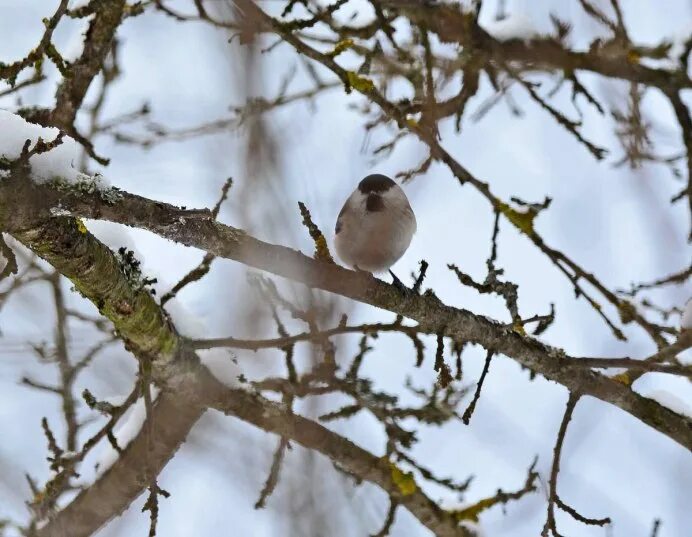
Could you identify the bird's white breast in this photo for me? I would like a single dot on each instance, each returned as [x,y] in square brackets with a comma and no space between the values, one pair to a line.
[375,240]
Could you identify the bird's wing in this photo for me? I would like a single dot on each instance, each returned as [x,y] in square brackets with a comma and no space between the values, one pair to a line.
[351,206]
[338,226]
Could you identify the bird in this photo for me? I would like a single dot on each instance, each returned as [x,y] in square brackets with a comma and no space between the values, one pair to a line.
[375,226]
[686,318]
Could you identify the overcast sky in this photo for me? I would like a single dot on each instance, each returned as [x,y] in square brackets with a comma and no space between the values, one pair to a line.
[616,222]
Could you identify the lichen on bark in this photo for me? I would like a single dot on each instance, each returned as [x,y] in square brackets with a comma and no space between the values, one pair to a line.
[96,274]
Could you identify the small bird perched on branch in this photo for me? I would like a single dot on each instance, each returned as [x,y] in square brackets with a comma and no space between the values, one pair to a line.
[375,226]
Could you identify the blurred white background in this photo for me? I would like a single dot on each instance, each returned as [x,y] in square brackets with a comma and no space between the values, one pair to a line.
[616,222]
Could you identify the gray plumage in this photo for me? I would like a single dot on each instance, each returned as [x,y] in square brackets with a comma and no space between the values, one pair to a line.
[375,225]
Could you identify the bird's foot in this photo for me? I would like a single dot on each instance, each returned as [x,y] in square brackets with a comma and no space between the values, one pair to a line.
[361,271]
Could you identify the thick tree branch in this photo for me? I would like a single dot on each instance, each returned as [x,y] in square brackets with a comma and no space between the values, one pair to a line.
[523,221]
[97,43]
[452,25]
[147,332]
[199,229]
[109,496]
[29,213]
[274,417]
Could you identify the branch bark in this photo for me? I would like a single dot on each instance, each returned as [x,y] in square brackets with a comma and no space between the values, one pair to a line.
[188,388]
[199,229]
[68,99]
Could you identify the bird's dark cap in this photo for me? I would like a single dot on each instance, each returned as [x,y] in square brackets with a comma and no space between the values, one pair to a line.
[375,183]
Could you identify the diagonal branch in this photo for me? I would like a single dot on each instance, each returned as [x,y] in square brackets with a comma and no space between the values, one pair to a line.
[197,228]
[523,221]
[112,493]
[541,53]
[189,388]
[682,112]
[97,44]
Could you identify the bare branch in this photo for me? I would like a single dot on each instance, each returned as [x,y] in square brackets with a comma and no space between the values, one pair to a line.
[388,521]
[554,498]
[273,477]
[150,336]
[466,418]
[460,325]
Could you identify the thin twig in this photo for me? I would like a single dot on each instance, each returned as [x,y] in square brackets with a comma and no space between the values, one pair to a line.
[466,418]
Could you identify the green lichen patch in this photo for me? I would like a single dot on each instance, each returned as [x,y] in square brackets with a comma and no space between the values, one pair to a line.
[404,481]
[112,282]
[627,311]
[341,46]
[522,220]
[359,83]
[472,512]
[131,269]
[623,378]
[321,249]
[89,184]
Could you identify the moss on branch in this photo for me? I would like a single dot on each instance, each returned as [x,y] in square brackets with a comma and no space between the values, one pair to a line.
[96,274]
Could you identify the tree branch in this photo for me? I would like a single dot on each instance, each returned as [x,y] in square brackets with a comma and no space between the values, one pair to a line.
[188,387]
[197,228]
